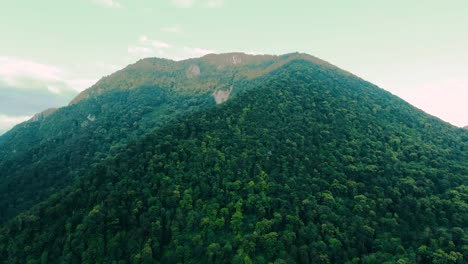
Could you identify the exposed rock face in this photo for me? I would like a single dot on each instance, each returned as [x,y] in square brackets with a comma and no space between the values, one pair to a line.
[193,71]
[91,117]
[236,59]
[221,96]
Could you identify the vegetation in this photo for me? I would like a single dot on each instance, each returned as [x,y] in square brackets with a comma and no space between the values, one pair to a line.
[312,166]
[40,157]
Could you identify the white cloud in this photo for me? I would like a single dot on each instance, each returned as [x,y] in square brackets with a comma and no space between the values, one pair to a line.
[172,29]
[28,87]
[143,38]
[159,44]
[191,3]
[215,3]
[446,99]
[197,52]
[11,69]
[148,47]
[109,3]
[183,3]
[7,122]
[26,74]
[54,89]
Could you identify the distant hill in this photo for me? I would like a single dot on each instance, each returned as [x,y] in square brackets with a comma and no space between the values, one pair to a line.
[305,163]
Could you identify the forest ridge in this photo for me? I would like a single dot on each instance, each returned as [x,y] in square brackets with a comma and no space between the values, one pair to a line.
[304,163]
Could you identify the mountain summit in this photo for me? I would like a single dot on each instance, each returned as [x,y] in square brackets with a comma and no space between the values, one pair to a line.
[234,158]
[210,72]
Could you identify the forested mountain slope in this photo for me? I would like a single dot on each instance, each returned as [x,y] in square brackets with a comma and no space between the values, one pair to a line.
[42,155]
[312,166]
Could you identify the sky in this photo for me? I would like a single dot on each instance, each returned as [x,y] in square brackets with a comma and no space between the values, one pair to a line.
[50,50]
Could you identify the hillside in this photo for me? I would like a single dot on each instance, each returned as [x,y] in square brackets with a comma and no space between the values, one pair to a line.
[307,164]
[212,72]
[43,155]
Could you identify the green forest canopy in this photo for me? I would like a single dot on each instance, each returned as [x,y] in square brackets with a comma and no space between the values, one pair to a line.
[312,166]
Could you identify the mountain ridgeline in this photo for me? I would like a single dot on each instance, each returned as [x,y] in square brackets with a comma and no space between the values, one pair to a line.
[305,163]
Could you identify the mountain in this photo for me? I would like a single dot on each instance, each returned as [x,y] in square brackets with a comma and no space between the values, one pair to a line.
[39,157]
[305,163]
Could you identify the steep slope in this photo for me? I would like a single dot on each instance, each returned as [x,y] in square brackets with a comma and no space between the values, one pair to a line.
[43,155]
[312,166]
[64,144]
[209,73]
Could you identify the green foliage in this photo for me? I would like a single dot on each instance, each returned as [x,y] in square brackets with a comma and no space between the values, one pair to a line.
[39,157]
[312,166]
[42,157]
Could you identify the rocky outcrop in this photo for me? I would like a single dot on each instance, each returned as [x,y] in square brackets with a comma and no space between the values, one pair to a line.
[193,71]
[221,96]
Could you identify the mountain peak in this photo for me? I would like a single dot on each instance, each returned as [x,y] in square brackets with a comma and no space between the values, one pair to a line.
[186,74]
[193,73]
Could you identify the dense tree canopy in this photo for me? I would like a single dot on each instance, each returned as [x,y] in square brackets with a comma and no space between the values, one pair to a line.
[41,156]
[312,166]
[45,155]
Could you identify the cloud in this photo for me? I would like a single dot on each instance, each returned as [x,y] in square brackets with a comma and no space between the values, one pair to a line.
[154,43]
[447,99]
[26,74]
[13,69]
[7,122]
[214,3]
[143,38]
[109,3]
[171,29]
[191,3]
[197,52]
[28,87]
[148,47]
[159,44]
[183,3]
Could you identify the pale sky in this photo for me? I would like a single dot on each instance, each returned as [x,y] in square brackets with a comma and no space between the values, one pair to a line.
[52,49]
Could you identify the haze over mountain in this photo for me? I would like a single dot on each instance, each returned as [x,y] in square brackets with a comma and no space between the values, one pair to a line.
[234,158]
